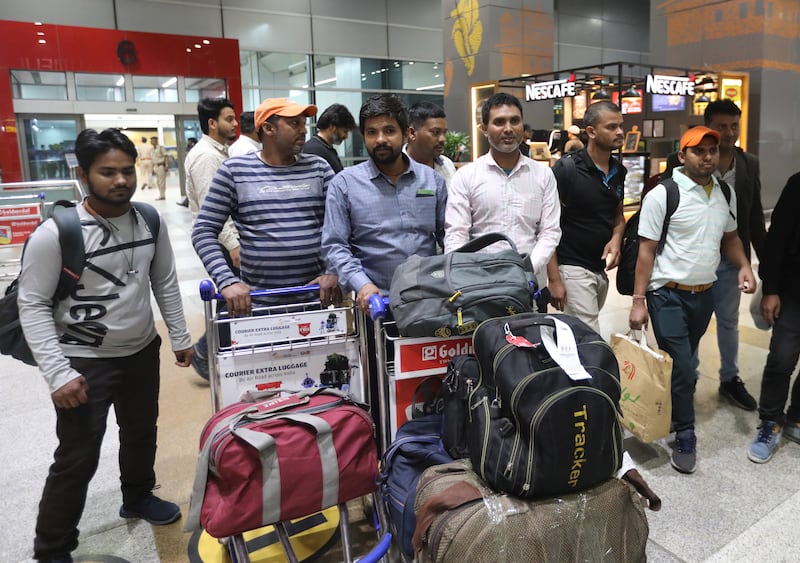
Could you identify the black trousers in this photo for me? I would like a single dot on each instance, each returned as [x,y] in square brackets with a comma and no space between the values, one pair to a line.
[129,383]
[784,350]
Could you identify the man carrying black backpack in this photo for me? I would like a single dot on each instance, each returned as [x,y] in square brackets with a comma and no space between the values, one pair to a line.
[98,346]
[675,284]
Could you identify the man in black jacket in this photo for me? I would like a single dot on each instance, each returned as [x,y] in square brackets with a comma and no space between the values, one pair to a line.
[333,127]
[780,306]
[740,170]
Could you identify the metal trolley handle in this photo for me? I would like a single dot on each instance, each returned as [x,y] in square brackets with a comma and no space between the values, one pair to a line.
[208,293]
[378,305]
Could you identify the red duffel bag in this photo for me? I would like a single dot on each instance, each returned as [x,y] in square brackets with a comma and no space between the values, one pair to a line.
[281,458]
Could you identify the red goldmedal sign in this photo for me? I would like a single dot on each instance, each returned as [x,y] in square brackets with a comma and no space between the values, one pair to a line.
[428,356]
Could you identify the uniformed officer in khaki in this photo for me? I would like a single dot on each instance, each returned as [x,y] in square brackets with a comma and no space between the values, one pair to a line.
[160,162]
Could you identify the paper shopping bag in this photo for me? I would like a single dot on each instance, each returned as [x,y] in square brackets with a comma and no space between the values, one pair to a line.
[645,377]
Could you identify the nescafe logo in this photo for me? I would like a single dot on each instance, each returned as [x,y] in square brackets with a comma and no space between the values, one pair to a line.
[731,92]
[126,52]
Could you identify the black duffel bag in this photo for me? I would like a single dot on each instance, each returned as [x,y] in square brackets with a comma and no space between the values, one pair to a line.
[451,294]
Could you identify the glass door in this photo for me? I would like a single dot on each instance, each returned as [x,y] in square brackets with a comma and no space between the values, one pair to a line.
[187,129]
[44,142]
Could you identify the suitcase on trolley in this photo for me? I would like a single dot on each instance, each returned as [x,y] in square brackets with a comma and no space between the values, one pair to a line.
[459,518]
[281,458]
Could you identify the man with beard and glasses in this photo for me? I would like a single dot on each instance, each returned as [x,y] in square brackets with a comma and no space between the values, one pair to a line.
[99,346]
[673,288]
[380,212]
[427,132]
[333,128]
[504,191]
[276,198]
[591,185]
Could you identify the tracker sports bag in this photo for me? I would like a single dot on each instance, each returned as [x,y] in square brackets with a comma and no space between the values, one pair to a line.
[459,518]
[544,416]
[451,294]
[281,458]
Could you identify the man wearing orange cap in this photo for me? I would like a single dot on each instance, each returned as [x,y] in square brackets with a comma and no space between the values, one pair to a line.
[276,198]
[673,288]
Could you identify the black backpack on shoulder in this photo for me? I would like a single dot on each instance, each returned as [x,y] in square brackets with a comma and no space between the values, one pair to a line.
[73,257]
[629,250]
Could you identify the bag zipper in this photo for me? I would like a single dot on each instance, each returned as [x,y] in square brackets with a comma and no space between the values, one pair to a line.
[541,411]
[225,435]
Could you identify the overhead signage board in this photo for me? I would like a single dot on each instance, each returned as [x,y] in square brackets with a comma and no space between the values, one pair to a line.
[535,91]
[669,85]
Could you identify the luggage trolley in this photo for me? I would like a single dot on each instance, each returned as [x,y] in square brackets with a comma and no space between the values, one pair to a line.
[19,216]
[291,346]
[403,364]
[23,205]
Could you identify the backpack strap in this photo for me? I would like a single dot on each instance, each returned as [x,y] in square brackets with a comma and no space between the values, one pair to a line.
[570,172]
[673,199]
[150,215]
[726,191]
[70,238]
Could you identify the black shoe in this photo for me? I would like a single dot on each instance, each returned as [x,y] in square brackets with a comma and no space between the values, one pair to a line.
[684,456]
[736,392]
[184,203]
[152,509]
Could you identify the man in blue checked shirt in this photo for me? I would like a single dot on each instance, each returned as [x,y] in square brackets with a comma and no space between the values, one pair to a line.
[384,210]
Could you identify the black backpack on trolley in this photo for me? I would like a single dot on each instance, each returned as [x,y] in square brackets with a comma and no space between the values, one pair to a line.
[541,425]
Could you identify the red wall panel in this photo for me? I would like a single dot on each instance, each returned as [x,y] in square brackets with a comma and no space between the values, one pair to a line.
[83,49]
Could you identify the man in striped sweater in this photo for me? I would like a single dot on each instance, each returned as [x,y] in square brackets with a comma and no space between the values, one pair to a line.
[276,199]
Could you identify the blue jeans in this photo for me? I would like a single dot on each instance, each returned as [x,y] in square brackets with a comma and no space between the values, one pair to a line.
[726,295]
[679,319]
[784,350]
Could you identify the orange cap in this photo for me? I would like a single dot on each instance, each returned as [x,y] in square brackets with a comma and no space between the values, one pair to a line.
[283,107]
[695,135]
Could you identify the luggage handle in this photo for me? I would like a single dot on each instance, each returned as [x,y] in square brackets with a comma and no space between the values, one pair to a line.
[270,468]
[559,341]
[258,395]
[642,343]
[302,397]
[485,240]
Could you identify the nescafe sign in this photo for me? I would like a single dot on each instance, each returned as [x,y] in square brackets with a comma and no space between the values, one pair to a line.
[549,90]
[669,85]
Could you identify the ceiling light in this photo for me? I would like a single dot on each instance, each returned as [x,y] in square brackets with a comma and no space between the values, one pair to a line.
[601,94]
[632,92]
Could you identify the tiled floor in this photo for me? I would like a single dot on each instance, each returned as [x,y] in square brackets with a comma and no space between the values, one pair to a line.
[729,510]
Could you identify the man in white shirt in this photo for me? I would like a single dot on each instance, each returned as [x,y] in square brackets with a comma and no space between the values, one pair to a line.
[673,288]
[504,191]
[248,140]
[218,123]
[427,130]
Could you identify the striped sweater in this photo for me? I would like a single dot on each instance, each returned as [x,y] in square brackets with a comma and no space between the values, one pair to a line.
[278,212]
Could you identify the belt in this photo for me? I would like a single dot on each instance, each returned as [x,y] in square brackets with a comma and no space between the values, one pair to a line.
[699,288]
[145,158]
